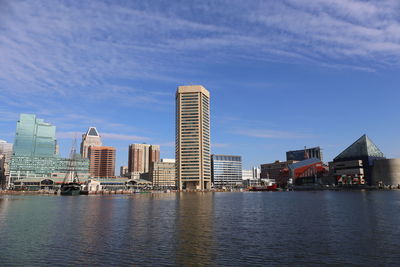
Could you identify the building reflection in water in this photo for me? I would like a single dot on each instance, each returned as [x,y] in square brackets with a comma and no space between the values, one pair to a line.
[195,229]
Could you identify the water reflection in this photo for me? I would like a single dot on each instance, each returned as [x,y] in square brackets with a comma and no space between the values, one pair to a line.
[188,229]
[195,229]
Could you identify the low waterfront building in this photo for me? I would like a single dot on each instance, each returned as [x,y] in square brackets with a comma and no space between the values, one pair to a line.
[162,174]
[226,170]
[138,184]
[308,171]
[354,165]
[93,186]
[386,172]
[247,174]
[278,170]
[112,184]
[251,177]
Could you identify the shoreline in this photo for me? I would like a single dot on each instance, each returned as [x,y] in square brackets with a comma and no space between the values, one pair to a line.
[128,192]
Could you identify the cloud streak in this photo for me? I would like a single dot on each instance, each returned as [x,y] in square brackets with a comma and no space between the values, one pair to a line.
[110,136]
[68,47]
[272,134]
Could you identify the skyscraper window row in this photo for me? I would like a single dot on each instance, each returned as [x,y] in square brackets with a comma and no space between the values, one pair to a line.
[189,109]
[190,102]
[191,126]
[188,105]
[191,117]
[191,139]
[189,96]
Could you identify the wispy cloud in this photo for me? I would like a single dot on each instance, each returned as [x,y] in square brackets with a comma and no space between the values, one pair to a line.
[126,137]
[68,135]
[69,50]
[8,116]
[218,145]
[272,134]
[110,136]
[167,144]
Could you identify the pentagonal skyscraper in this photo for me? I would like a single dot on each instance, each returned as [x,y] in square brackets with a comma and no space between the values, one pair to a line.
[90,138]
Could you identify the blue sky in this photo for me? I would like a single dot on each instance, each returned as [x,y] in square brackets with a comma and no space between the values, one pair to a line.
[282,74]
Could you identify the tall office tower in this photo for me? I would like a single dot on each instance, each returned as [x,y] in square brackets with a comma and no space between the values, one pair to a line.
[6,150]
[140,158]
[34,137]
[102,161]
[138,161]
[226,170]
[193,166]
[90,138]
[154,154]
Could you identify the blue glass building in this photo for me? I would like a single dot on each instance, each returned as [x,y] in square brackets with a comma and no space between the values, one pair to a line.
[35,161]
[34,137]
[226,170]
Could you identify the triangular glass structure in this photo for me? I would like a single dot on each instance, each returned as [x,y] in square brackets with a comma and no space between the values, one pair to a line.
[92,131]
[363,147]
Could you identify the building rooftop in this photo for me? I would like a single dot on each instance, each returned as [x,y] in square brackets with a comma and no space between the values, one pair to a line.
[363,147]
[193,89]
[303,163]
[92,131]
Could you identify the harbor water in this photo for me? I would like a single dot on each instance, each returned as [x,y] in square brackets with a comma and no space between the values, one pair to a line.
[351,228]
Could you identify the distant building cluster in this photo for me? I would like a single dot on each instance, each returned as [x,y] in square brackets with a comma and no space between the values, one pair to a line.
[33,162]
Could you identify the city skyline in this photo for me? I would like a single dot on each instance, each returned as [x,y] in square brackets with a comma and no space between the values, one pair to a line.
[277,84]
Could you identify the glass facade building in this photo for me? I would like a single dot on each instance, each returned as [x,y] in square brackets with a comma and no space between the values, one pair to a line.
[34,137]
[226,170]
[303,154]
[34,153]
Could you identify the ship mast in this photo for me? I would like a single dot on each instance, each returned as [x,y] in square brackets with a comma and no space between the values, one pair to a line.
[71,176]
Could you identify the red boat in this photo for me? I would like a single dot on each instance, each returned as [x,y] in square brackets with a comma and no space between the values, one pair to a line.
[273,187]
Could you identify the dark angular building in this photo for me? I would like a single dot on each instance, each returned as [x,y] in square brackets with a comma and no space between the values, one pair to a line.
[303,154]
[354,165]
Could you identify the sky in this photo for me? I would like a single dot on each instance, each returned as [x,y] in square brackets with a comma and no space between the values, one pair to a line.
[282,74]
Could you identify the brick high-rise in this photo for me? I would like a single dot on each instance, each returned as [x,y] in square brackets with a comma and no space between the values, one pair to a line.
[140,157]
[102,161]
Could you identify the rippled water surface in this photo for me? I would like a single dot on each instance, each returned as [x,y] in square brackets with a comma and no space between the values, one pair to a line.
[203,229]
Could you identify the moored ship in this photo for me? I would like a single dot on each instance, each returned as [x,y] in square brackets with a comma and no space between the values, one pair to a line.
[71,185]
[273,187]
[70,189]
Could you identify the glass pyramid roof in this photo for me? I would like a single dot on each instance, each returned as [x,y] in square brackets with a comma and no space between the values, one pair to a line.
[92,131]
[363,147]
